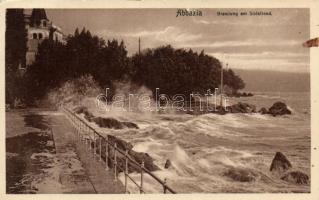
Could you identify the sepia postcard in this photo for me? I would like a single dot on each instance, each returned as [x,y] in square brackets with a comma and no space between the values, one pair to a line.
[176,99]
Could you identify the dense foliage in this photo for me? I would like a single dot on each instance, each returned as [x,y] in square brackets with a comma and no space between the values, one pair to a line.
[83,54]
[178,71]
[174,71]
[15,48]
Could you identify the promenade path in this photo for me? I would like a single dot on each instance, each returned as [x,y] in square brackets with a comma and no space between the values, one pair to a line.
[102,181]
[67,168]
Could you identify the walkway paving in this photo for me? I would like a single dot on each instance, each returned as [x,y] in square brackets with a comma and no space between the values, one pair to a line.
[94,178]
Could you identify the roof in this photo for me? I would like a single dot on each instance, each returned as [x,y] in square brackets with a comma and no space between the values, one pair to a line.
[38,14]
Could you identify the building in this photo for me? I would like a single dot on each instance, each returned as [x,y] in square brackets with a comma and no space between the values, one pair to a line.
[39,27]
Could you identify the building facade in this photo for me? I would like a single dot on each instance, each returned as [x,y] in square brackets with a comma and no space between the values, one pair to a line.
[39,27]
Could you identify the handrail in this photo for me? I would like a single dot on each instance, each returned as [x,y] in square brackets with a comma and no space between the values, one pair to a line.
[116,149]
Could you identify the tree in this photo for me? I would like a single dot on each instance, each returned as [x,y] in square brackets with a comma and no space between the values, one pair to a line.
[114,63]
[15,52]
[83,54]
[177,71]
[233,81]
[51,67]
[174,71]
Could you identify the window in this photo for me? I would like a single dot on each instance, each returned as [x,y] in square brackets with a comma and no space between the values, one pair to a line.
[40,36]
[44,23]
[35,36]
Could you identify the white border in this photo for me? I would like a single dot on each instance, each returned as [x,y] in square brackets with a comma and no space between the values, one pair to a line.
[314,70]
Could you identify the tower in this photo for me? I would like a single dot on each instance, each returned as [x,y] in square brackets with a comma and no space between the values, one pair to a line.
[39,27]
[38,18]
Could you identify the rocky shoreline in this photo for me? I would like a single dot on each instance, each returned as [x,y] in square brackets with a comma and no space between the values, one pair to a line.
[277,109]
[139,157]
[280,167]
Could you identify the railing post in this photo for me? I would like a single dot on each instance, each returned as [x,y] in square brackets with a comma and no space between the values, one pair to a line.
[86,141]
[106,154]
[115,162]
[142,177]
[94,147]
[100,140]
[83,133]
[80,132]
[74,126]
[164,186]
[126,170]
[79,129]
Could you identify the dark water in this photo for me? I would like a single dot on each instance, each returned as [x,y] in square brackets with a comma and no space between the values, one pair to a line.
[21,169]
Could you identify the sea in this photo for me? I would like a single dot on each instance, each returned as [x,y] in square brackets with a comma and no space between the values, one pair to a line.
[206,150]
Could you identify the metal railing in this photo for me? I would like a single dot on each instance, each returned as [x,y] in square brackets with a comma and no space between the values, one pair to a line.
[88,135]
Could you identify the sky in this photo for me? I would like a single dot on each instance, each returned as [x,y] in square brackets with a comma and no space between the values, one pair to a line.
[244,42]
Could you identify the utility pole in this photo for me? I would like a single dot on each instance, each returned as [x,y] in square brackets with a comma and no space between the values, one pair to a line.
[221,84]
[139,52]
[139,46]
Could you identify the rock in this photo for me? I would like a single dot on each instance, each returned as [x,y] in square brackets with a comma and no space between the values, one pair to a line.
[113,123]
[148,160]
[130,125]
[241,175]
[137,156]
[80,109]
[263,111]
[108,123]
[279,108]
[296,177]
[280,163]
[221,110]
[88,116]
[242,108]
[167,164]
[123,145]
[104,122]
